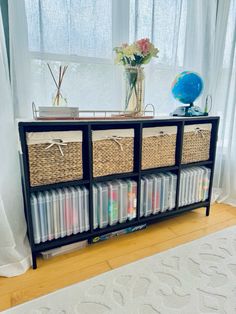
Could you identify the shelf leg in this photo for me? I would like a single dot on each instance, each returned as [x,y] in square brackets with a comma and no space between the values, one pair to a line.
[34,261]
[208,210]
[90,240]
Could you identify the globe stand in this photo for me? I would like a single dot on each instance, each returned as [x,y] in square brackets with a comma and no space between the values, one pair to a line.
[188,111]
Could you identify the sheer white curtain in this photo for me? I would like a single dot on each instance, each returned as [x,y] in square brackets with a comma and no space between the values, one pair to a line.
[200,40]
[14,248]
[21,73]
[224,100]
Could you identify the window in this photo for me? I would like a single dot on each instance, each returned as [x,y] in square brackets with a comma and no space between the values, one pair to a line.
[83,34]
[70,27]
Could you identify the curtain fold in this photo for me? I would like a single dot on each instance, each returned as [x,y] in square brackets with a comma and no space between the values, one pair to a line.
[224,102]
[200,41]
[14,247]
[21,78]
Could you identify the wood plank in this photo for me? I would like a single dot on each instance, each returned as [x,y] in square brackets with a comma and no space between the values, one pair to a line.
[112,248]
[5,300]
[54,281]
[181,225]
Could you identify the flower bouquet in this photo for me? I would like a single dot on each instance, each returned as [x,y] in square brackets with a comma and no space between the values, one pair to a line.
[133,57]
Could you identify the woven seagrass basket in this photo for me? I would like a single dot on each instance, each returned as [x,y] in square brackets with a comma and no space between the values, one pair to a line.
[54,157]
[112,152]
[158,147]
[196,143]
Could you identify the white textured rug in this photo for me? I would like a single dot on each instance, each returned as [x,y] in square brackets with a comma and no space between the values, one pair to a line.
[198,277]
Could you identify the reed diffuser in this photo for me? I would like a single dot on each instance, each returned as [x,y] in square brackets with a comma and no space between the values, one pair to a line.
[58,98]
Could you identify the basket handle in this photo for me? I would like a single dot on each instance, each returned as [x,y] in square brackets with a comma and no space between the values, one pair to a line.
[163,133]
[199,131]
[116,139]
[58,142]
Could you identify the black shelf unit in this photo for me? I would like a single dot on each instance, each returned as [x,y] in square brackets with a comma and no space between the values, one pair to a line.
[88,180]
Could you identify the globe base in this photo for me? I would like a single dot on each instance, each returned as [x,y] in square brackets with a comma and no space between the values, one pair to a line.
[188,111]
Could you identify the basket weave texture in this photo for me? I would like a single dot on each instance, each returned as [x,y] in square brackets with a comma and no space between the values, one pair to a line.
[111,157]
[49,166]
[158,151]
[196,146]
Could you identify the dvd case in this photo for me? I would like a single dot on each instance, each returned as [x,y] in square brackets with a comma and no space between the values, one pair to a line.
[61,196]
[148,190]
[75,211]
[85,196]
[156,194]
[68,211]
[49,211]
[35,219]
[164,192]
[142,198]
[95,207]
[56,214]
[132,199]
[113,199]
[103,205]
[123,201]
[172,190]
[43,217]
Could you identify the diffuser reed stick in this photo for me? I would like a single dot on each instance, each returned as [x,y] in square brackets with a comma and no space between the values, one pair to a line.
[62,71]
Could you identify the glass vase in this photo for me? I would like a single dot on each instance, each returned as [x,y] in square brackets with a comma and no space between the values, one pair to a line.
[134,89]
[58,99]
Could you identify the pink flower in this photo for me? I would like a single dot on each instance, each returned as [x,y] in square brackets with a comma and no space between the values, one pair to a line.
[144,45]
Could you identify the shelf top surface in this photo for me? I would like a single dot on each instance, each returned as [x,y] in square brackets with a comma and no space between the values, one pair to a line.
[28,122]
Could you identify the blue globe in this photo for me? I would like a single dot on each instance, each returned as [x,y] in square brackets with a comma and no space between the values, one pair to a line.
[187,86]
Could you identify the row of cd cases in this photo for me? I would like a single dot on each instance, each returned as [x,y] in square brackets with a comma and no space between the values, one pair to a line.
[116,201]
[59,213]
[63,212]
[194,185]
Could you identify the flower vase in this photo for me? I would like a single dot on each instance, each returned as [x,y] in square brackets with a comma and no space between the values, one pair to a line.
[134,90]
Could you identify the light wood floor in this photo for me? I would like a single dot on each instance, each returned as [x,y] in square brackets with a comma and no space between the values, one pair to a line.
[68,269]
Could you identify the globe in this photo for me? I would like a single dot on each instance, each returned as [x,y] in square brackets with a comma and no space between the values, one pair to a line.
[187,87]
